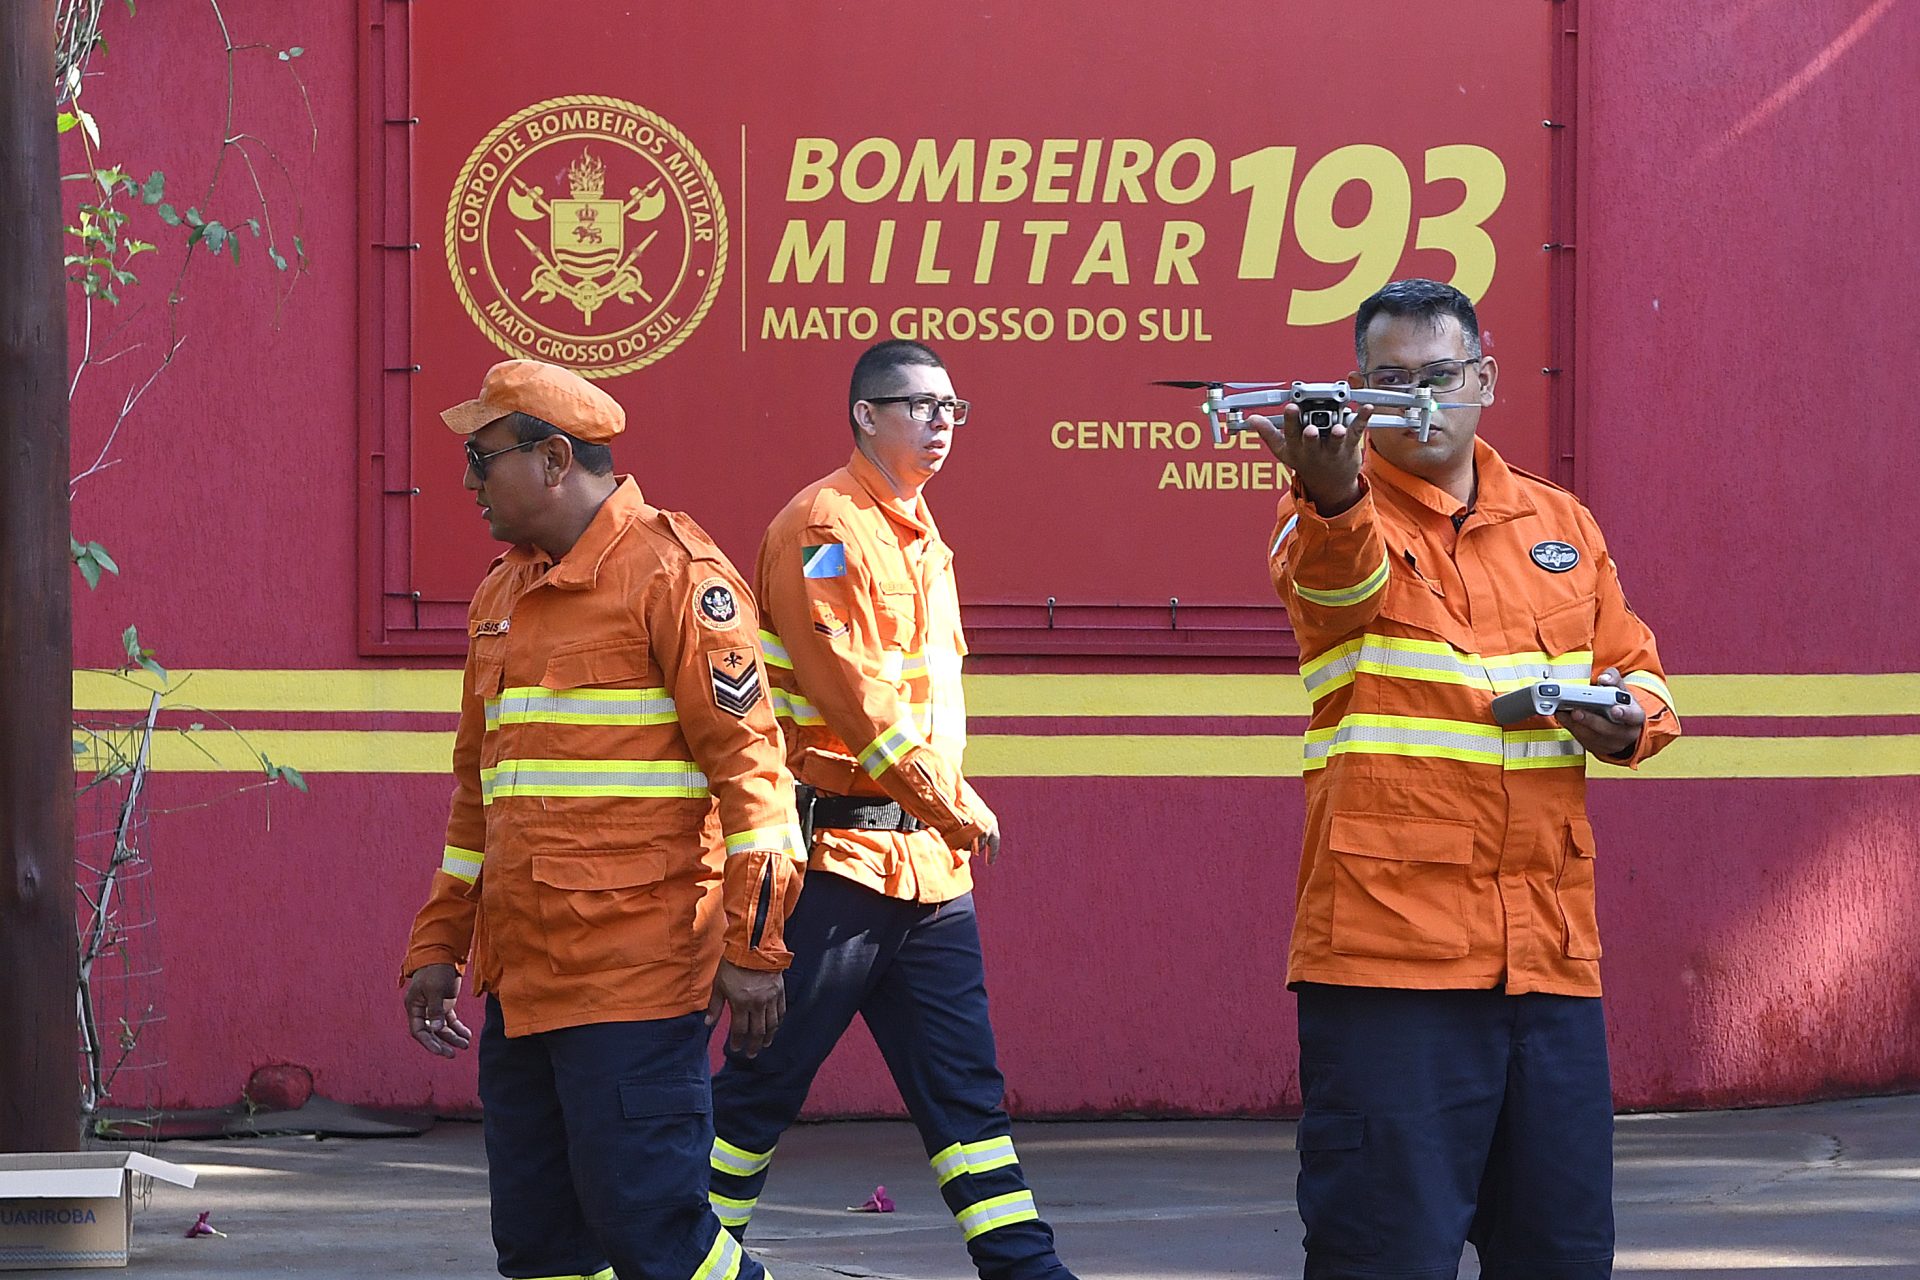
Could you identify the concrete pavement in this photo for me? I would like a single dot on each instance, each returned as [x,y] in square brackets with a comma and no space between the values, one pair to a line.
[1829,1191]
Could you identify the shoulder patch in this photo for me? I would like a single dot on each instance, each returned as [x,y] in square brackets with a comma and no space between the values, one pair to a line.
[1555,556]
[714,601]
[827,622]
[825,560]
[736,680]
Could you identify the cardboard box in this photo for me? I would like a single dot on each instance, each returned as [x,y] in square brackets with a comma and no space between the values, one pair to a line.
[72,1208]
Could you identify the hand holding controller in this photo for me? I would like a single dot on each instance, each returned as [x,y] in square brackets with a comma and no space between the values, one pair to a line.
[1544,697]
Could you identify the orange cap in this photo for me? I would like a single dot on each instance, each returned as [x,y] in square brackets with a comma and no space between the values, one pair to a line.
[548,392]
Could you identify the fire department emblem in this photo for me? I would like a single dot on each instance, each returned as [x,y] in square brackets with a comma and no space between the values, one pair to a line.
[589,232]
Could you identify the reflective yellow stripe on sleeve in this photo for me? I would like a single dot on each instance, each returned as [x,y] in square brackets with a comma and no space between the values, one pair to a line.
[972,1157]
[738,1161]
[795,707]
[773,653]
[1652,683]
[1345,596]
[651,779]
[462,864]
[1000,1211]
[891,747]
[536,705]
[781,839]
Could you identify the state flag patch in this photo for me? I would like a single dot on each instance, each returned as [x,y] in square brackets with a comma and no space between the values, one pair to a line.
[736,680]
[828,560]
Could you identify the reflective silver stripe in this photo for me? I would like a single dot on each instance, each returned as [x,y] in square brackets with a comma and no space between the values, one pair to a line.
[1405,658]
[1459,740]
[536,705]
[1000,1211]
[972,1157]
[1405,736]
[781,839]
[795,707]
[658,779]
[1342,597]
[891,747]
[1281,537]
[462,864]
[773,652]
[722,1261]
[1652,683]
[731,1212]
[1543,749]
[913,666]
[738,1161]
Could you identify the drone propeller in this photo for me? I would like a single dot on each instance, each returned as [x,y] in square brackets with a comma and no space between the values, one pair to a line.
[1201,386]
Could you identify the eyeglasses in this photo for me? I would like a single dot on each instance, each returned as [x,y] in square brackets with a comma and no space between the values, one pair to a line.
[926,408]
[1441,375]
[477,461]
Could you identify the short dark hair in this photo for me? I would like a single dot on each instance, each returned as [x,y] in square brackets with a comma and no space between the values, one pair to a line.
[594,459]
[1427,299]
[873,371]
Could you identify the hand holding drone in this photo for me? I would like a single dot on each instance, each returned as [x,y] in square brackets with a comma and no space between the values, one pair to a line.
[1323,405]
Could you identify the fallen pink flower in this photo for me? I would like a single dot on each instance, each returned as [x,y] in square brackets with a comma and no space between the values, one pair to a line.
[878,1202]
[202,1227]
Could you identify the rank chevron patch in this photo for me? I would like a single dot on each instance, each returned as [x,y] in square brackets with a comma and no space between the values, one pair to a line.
[736,680]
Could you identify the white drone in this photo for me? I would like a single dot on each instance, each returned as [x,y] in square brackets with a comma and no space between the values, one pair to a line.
[1323,405]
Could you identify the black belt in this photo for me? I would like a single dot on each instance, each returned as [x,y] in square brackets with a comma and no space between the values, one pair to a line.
[857,813]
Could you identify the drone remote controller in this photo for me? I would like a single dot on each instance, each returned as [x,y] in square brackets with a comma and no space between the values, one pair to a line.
[1544,697]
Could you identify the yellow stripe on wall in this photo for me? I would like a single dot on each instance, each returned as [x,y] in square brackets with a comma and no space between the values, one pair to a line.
[230,690]
[320,751]
[308,750]
[1093,696]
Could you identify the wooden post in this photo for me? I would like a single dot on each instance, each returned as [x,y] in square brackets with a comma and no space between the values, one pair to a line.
[39,1074]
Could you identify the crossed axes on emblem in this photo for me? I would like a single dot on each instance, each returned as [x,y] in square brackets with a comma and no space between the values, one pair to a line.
[550,281]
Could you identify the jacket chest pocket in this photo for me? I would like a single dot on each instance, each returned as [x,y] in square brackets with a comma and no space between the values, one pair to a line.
[1567,628]
[1400,885]
[1414,600]
[600,911]
[590,697]
[896,606]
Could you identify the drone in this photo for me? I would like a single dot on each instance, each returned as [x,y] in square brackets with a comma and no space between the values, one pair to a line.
[1323,405]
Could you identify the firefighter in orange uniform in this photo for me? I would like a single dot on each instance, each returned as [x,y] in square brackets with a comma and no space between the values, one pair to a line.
[622,850]
[1445,956]
[864,646]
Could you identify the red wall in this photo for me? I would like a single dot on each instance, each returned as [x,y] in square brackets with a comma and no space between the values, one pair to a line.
[1746,165]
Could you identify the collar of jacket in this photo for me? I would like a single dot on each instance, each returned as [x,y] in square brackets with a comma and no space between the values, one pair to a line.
[916,517]
[1500,497]
[580,567]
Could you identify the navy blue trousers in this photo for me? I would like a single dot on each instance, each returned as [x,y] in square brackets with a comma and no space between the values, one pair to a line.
[913,971]
[597,1142]
[1434,1118]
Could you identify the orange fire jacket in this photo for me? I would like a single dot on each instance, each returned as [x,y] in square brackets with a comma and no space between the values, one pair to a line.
[1442,850]
[864,644]
[622,812]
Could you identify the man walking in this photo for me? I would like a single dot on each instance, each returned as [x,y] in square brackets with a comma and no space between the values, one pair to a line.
[864,645]
[621,851]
